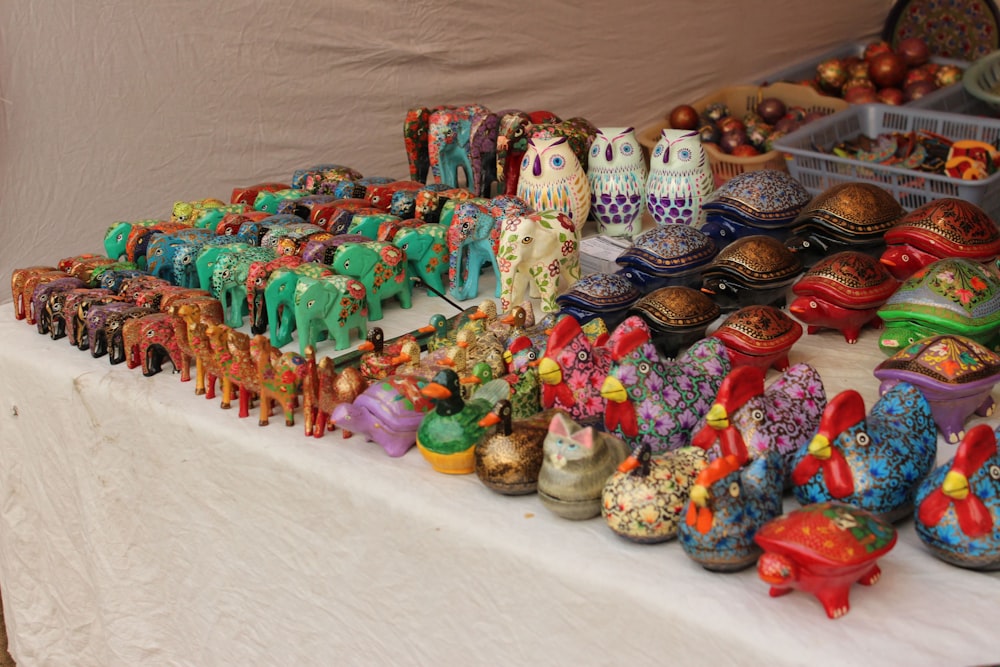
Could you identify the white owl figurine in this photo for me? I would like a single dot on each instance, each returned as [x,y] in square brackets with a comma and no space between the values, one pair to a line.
[680,179]
[552,179]
[617,175]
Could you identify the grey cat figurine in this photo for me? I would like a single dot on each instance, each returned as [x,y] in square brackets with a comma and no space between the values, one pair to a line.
[577,463]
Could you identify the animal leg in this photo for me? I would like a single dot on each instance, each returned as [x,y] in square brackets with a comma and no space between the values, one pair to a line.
[871,576]
[834,601]
[778,591]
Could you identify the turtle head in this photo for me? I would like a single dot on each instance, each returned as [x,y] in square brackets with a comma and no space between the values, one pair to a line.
[776,569]
[900,335]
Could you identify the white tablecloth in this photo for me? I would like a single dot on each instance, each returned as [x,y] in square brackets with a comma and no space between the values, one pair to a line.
[142,525]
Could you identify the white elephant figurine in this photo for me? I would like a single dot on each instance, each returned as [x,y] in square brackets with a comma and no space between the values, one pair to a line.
[541,250]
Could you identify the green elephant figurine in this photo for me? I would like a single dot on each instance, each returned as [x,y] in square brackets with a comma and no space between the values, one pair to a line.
[381,267]
[268,201]
[426,248]
[116,237]
[279,298]
[208,255]
[330,307]
[229,282]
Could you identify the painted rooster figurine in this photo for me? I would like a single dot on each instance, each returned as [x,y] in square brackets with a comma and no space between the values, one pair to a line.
[748,420]
[571,371]
[728,504]
[656,401]
[874,462]
[958,505]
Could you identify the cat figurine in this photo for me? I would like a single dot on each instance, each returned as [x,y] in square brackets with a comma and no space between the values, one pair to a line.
[577,462]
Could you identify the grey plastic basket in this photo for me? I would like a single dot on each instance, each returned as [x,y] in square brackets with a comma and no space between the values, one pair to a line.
[818,170]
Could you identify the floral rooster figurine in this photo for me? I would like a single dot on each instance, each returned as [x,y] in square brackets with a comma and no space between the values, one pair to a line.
[657,401]
[571,371]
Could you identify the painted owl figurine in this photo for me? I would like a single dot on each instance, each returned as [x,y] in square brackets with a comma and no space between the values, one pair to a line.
[617,175]
[552,178]
[680,179]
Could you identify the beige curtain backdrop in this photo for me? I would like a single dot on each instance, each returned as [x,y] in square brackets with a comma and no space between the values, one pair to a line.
[114,109]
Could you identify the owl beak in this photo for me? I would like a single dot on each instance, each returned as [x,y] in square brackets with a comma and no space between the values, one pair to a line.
[666,154]
[536,168]
[607,153]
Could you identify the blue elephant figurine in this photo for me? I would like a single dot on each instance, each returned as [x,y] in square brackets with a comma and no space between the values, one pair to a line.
[333,306]
[471,247]
[381,267]
[450,134]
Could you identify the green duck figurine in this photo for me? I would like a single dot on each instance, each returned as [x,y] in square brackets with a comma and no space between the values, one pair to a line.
[440,331]
[448,434]
[479,374]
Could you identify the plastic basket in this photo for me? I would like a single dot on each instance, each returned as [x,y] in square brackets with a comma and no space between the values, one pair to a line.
[740,100]
[982,80]
[818,171]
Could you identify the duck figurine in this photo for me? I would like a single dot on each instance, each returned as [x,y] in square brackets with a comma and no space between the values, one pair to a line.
[440,332]
[522,358]
[378,359]
[958,504]
[479,374]
[412,362]
[485,347]
[448,434]
[509,459]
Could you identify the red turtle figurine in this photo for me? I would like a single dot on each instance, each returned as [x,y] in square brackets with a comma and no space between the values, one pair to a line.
[758,335]
[843,291]
[946,227]
[823,549]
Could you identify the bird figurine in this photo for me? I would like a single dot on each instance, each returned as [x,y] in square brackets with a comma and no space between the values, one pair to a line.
[617,175]
[479,374]
[448,434]
[424,367]
[728,503]
[509,459]
[552,179]
[522,358]
[747,420]
[380,360]
[680,179]
[958,504]
[874,462]
[440,332]
[571,371]
[657,401]
[484,347]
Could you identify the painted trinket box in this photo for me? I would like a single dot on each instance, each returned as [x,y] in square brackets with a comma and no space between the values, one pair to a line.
[752,270]
[604,295]
[765,201]
[668,255]
[677,316]
[758,336]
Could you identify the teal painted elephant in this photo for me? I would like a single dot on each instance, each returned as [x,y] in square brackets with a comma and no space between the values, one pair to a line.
[381,267]
[116,237]
[185,259]
[268,201]
[208,255]
[279,298]
[540,250]
[450,133]
[229,282]
[426,248]
[368,224]
[333,306]
[470,247]
[163,248]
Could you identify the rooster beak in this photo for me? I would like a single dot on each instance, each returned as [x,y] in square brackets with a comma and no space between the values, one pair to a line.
[819,447]
[614,390]
[549,371]
[717,417]
[699,495]
[955,485]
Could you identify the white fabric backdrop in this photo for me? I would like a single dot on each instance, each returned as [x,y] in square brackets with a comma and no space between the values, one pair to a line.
[114,109]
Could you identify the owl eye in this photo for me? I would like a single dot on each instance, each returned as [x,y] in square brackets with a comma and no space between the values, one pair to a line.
[863,439]
[627,149]
[995,472]
[595,151]
[658,151]
[684,154]
[734,490]
[557,162]
[524,162]
[757,415]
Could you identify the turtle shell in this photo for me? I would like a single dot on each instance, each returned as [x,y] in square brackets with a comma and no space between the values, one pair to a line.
[828,536]
[765,198]
[677,308]
[755,261]
[939,361]
[850,279]
[955,295]
[669,251]
[850,212]
[607,295]
[759,330]
[948,227]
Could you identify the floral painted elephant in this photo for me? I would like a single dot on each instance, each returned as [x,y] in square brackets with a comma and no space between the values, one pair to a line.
[279,298]
[471,247]
[540,248]
[282,378]
[151,339]
[208,255]
[334,305]
[381,267]
[257,277]
[248,194]
[426,248]
[449,140]
[140,237]
[515,131]
[416,132]
[313,177]
[229,282]
[163,249]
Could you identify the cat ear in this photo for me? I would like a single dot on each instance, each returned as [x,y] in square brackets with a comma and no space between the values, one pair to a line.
[558,425]
[584,437]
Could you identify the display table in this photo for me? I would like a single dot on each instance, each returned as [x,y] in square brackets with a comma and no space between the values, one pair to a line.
[142,525]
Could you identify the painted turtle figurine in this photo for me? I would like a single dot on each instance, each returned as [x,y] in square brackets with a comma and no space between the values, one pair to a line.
[677,316]
[388,413]
[604,295]
[956,375]
[751,270]
[766,201]
[942,228]
[758,336]
[848,216]
[667,255]
[958,504]
[955,296]
[823,549]
[844,292]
